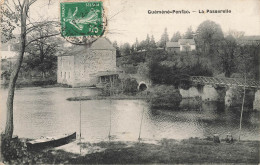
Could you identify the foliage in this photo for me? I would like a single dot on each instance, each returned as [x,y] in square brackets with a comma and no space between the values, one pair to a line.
[236,34]
[247,61]
[164,39]
[189,33]
[130,86]
[226,55]
[9,21]
[117,49]
[175,69]
[5,74]
[125,49]
[143,70]
[176,36]
[14,150]
[164,96]
[208,35]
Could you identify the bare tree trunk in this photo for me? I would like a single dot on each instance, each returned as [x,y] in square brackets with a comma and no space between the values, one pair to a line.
[241,115]
[14,75]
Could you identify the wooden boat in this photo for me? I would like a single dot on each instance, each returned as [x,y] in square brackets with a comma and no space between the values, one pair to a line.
[45,142]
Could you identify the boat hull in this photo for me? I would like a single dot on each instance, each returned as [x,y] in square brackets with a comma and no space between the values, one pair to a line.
[31,145]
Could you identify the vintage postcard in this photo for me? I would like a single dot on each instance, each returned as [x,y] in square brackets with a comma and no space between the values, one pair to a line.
[130,81]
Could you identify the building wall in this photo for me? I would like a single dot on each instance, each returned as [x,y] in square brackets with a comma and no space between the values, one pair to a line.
[172,49]
[65,72]
[191,47]
[92,62]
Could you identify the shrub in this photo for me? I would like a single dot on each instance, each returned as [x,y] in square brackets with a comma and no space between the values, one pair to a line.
[130,86]
[162,96]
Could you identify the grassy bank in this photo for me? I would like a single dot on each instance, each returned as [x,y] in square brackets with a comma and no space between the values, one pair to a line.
[166,151]
[115,97]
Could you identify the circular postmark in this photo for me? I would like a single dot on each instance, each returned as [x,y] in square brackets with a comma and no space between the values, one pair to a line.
[82,22]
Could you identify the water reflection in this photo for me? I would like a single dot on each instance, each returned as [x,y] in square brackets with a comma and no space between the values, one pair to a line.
[46,112]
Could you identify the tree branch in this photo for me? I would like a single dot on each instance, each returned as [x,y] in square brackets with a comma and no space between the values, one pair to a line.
[39,24]
[31,2]
[51,35]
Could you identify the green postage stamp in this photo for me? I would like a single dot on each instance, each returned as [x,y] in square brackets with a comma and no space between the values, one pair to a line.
[81,18]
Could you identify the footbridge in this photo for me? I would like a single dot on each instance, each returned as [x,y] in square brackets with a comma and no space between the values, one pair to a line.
[225,81]
[224,89]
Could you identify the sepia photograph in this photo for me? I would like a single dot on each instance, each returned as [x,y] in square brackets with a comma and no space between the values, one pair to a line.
[130,82]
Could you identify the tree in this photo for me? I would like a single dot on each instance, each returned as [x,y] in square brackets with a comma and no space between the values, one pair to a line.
[20,13]
[164,39]
[236,34]
[189,33]
[117,49]
[136,45]
[176,36]
[41,53]
[152,43]
[147,42]
[226,55]
[209,34]
[125,49]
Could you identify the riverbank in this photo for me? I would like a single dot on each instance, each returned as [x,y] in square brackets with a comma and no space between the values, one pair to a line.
[33,83]
[114,97]
[191,150]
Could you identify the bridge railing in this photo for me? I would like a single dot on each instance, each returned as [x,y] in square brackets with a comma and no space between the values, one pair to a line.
[225,81]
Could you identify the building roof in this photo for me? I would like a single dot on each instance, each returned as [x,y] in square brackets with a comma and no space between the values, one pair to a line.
[172,44]
[106,73]
[251,38]
[100,44]
[186,41]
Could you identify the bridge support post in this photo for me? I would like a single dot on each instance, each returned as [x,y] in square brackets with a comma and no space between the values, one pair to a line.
[256,104]
[229,96]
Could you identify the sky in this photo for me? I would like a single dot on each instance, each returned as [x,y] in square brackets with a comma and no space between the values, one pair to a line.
[129,19]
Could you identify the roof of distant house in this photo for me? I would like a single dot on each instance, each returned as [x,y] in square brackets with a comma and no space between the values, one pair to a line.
[99,44]
[186,41]
[248,40]
[251,38]
[172,44]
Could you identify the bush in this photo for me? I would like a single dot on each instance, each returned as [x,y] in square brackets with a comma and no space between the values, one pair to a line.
[13,150]
[130,86]
[163,96]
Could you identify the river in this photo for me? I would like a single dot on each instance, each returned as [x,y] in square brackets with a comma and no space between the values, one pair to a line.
[46,112]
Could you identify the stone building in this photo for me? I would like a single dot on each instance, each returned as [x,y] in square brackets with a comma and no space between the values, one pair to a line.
[88,65]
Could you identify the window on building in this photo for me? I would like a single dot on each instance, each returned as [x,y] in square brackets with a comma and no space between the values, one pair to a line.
[61,74]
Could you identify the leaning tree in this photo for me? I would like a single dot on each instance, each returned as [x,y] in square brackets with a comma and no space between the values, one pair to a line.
[15,15]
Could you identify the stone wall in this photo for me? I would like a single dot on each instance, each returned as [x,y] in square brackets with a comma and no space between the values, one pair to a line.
[92,62]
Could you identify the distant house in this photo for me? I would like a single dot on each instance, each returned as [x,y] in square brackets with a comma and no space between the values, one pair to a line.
[172,47]
[9,55]
[182,45]
[88,65]
[248,40]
